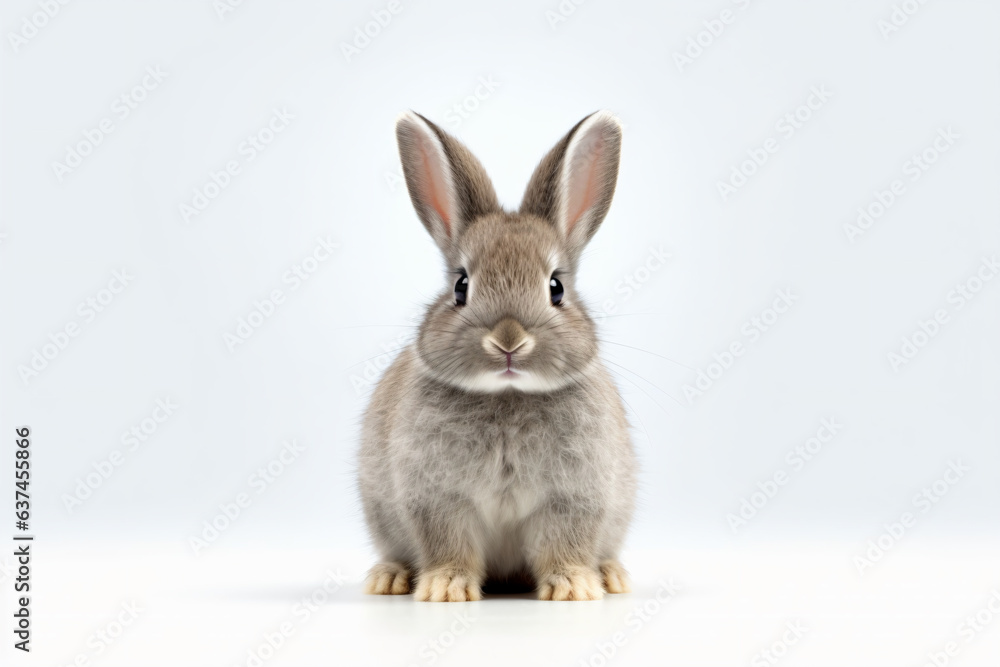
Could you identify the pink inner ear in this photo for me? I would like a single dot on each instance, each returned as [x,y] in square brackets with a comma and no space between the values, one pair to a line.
[437,187]
[582,186]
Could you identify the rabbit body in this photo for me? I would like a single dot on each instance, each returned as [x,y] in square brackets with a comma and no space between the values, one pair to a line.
[496,445]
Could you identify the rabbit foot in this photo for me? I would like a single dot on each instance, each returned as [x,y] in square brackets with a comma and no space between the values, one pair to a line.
[388,579]
[573,582]
[447,584]
[615,577]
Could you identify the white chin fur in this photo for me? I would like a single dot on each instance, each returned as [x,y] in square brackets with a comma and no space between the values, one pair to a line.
[495,382]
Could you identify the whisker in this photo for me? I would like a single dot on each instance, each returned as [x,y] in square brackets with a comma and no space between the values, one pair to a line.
[604,317]
[366,326]
[649,383]
[364,361]
[641,422]
[639,349]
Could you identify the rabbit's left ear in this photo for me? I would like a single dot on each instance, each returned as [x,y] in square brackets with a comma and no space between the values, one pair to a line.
[448,186]
[573,185]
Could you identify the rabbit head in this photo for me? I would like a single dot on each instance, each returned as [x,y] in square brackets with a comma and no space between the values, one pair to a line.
[509,317]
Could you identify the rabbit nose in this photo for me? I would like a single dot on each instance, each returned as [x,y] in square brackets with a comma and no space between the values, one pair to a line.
[508,336]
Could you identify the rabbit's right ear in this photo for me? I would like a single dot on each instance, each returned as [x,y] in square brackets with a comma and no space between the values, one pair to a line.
[573,185]
[448,186]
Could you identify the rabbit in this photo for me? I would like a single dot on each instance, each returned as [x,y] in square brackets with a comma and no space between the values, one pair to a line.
[496,447]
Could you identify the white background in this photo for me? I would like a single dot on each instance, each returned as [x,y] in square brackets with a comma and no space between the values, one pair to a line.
[333,173]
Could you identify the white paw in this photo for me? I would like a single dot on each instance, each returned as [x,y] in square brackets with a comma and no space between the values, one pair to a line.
[446,584]
[615,577]
[388,579]
[570,583]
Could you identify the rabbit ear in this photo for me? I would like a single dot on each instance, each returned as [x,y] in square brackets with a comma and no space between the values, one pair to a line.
[573,185]
[448,186]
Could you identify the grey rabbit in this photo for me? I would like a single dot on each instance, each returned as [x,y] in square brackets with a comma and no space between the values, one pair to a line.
[496,446]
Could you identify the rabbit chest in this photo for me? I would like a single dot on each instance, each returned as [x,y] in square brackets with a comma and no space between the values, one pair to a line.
[508,453]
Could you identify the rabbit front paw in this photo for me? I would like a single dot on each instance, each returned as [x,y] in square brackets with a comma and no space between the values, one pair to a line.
[570,583]
[615,577]
[447,584]
[388,579]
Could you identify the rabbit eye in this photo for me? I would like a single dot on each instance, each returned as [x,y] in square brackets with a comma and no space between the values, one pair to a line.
[461,289]
[555,290]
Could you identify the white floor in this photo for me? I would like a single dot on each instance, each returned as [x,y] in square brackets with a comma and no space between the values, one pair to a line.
[807,604]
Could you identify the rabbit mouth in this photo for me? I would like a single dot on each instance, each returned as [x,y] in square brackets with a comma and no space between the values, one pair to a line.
[512,379]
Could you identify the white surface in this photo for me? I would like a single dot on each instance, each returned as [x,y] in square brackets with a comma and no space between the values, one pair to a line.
[730,605]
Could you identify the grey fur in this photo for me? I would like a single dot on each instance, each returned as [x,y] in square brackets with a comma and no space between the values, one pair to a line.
[463,477]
